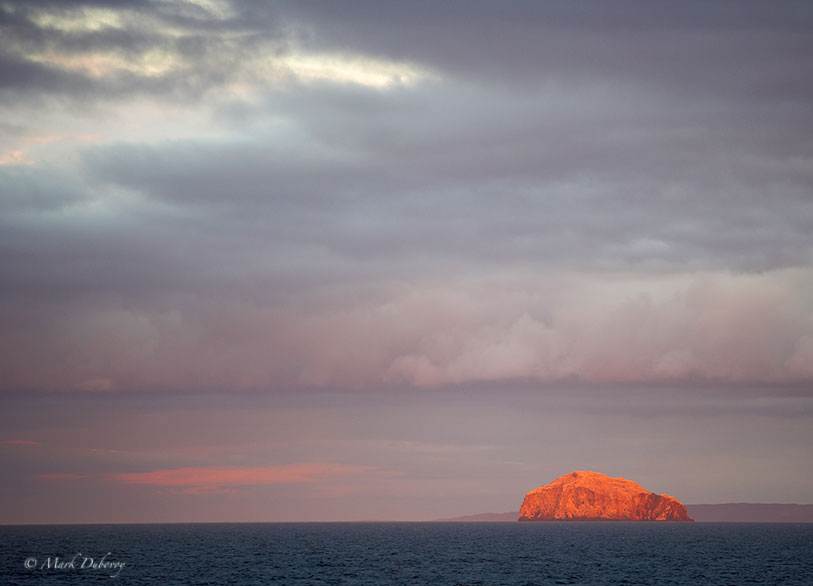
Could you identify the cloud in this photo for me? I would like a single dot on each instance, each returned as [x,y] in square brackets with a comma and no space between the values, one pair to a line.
[62,476]
[96,385]
[588,327]
[304,195]
[689,49]
[12,158]
[182,49]
[173,50]
[214,480]
[716,328]
[363,175]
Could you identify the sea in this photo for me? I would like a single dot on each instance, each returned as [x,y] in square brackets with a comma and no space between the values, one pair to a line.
[380,554]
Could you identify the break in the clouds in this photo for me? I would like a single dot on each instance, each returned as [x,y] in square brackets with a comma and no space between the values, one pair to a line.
[251,195]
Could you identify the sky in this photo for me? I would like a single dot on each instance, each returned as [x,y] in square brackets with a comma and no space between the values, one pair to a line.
[281,261]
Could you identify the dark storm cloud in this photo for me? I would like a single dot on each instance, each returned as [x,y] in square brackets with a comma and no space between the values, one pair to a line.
[720,48]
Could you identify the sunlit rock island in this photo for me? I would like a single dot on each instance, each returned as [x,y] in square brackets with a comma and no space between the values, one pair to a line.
[591,496]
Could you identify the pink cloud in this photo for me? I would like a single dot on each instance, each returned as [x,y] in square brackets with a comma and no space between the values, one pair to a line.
[200,490]
[19,442]
[61,476]
[215,479]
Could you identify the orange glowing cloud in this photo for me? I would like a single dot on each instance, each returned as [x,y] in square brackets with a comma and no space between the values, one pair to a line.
[209,479]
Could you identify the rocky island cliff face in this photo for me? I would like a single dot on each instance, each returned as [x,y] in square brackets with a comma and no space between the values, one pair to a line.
[590,496]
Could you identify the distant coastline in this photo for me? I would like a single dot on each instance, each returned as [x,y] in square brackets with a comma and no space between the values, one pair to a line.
[725,512]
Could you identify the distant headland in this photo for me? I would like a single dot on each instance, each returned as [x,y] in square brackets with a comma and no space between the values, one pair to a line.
[703,513]
[591,496]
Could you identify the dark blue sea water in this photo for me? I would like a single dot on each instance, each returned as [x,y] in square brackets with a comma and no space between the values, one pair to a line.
[379,554]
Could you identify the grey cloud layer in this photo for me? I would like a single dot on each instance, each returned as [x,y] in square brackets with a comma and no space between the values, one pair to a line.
[567,193]
[203,47]
[366,173]
[739,50]
[727,49]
